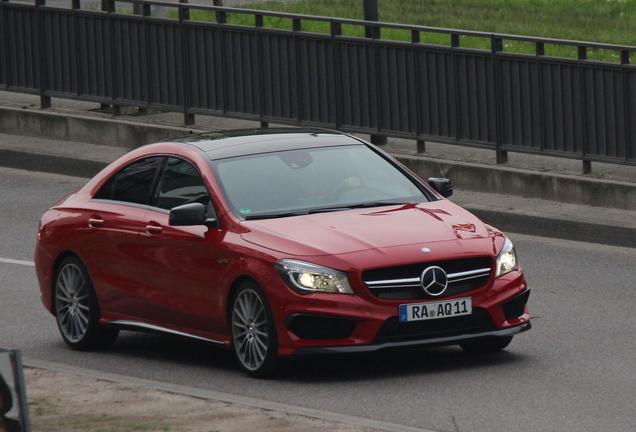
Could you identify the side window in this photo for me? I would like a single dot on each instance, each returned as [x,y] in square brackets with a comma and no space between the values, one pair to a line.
[181,184]
[133,183]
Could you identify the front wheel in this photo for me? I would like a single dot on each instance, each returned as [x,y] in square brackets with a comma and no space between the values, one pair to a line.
[486,345]
[254,338]
[77,310]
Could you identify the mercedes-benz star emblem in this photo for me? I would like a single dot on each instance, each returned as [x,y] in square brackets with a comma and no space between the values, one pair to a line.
[434,281]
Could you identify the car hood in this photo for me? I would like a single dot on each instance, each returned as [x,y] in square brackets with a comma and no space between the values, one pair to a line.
[356,230]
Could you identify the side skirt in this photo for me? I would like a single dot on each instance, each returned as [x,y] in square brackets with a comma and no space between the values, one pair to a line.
[134,325]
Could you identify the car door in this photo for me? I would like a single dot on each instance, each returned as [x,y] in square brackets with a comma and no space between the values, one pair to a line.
[112,223]
[180,266]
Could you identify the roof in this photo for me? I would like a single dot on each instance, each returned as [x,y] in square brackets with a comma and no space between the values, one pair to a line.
[225,144]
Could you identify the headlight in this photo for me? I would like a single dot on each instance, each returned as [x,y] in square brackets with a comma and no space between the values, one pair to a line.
[507,259]
[304,277]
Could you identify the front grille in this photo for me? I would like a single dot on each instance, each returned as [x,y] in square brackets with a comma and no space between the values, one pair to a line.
[395,331]
[404,282]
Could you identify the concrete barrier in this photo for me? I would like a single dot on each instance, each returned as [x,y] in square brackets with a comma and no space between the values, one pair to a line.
[465,175]
[527,183]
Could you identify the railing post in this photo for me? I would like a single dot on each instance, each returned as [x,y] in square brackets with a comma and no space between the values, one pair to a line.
[259,22]
[502,155]
[336,30]
[108,6]
[371,14]
[146,11]
[625,57]
[586,166]
[454,40]
[184,14]
[297,25]
[221,17]
[539,54]
[625,60]
[45,101]
[421,144]
[373,32]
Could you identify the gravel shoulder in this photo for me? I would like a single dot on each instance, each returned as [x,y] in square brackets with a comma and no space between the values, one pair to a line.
[68,403]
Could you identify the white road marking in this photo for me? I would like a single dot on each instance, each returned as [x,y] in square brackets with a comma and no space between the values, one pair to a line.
[20,262]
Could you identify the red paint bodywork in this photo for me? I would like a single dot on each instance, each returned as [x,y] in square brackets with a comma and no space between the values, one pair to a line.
[181,278]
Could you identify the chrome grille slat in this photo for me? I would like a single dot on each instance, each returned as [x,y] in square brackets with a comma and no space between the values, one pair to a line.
[389,286]
[473,273]
[415,282]
[410,281]
[463,275]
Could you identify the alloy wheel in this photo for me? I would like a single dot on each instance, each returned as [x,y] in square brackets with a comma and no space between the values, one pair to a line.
[250,330]
[72,302]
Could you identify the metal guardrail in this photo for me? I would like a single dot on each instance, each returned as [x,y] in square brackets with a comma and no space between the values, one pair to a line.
[488,98]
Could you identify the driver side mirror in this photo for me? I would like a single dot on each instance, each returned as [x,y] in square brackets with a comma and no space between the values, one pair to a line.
[442,186]
[191,215]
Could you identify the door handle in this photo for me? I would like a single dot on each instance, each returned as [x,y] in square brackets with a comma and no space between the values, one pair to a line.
[154,229]
[95,222]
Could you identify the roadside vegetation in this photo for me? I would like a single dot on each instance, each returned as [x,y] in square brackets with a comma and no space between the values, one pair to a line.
[603,21]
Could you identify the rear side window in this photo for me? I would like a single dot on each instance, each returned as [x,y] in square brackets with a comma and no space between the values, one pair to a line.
[133,183]
[181,184]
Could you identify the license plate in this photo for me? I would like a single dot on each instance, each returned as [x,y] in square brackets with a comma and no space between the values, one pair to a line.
[435,310]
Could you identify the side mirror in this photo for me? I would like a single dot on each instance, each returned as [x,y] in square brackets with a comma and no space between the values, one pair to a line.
[191,215]
[443,186]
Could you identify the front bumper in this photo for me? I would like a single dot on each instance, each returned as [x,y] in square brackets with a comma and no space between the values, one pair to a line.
[439,341]
[319,331]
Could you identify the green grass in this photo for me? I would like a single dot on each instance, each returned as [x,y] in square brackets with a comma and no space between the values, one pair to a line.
[603,21]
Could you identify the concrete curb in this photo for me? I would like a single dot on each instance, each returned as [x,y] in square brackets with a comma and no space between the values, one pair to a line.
[50,163]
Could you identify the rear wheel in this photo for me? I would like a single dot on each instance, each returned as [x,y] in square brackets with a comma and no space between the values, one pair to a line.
[486,345]
[254,337]
[77,309]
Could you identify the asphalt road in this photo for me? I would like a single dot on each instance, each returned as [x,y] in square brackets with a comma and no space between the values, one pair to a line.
[575,371]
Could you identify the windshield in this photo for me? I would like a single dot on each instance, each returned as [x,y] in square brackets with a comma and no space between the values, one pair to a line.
[294,182]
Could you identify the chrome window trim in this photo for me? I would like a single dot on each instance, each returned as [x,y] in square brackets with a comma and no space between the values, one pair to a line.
[122,203]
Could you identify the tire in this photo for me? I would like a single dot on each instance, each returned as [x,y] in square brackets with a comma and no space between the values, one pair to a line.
[77,310]
[486,345]
[254,338]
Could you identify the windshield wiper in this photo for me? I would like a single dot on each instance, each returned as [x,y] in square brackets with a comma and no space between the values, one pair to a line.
[275,215]
[324,210]
[356,206]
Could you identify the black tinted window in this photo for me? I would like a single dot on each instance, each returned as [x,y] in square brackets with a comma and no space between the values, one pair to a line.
[181,184]
[133,183]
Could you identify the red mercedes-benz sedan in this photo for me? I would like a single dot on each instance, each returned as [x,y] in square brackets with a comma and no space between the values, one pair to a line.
[276,243]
